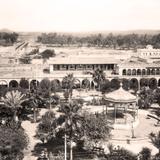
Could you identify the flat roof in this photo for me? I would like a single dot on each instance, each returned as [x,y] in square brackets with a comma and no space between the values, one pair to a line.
[83,60]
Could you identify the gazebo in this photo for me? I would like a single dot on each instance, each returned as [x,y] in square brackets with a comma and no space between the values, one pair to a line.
[121,102]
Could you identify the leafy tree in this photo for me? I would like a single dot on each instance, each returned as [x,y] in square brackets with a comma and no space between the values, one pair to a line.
[120,41]
[146,98]
[115,84]
[96,128]
[48,53]
[9,38]
[25,60]
[14,99]
[45,88]
[47,127]
[145,154]
[155,138]
[13,140]
[34,102]
[55,86]
[105,86]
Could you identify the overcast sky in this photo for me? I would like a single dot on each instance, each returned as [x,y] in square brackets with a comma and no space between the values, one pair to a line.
[79,15]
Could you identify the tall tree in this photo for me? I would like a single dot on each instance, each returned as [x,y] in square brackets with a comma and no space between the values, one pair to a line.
[14,99]
[73,121]
[68,83]
[13,140]
[47,127]
[96,128]
[98,77]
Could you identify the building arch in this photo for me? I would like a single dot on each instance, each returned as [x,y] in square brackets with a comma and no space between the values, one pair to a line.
[115,84]
[124,72]
[143,72]
[133,71]
[148,71]
[45,84]
[3,87]
[34,84]
[77,84]
[93,85]
[153,71]
[58,81]
[144,82]
[159,83]
[157,71]
[85,83]
[139,72]
[125,84]
[24,83]
[13,84]
[3,83]
[153,83]
[55,85]
[134,84]
[129,72]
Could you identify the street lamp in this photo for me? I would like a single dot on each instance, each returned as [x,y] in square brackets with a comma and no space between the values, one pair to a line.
[132,130]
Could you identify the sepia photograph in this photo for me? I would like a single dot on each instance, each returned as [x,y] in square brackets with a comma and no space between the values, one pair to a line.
[79,79]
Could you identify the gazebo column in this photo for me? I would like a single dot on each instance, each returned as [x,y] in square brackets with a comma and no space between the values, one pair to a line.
[125,110]
[115,105]
[135,111]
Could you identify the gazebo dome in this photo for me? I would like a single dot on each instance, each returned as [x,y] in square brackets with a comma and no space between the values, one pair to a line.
[120,95]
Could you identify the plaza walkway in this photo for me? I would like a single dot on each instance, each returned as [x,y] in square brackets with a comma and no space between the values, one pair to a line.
[30,129]
[141,132]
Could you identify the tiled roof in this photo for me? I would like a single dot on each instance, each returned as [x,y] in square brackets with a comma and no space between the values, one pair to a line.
[120,95]
[83,60]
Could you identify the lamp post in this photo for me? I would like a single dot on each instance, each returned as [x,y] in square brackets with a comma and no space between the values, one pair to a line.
[132,130]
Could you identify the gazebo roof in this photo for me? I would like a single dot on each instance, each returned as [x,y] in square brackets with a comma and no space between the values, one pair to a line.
[121,96]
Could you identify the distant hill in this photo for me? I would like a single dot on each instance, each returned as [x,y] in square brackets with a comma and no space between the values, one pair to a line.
[105,32]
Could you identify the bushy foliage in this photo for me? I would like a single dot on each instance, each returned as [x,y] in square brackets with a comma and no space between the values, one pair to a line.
[95,127]
[47,54]
[127,41]
[47,127]
[13,100]
[145,154]
[13,140]
[120,154]
[155,138]
[145,98]
[9,38]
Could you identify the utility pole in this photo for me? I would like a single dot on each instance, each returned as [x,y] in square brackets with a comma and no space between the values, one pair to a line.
[65,147]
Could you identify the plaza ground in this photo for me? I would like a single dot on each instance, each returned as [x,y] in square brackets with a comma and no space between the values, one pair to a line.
[119,137]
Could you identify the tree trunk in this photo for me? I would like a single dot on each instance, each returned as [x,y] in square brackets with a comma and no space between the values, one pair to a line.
[34,115]
[71,150]
[65,147]
[15,117]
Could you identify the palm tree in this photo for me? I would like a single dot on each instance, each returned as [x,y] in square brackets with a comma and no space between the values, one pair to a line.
[14,99]
[98,77]
[68,83]
[72,122]
[155,138]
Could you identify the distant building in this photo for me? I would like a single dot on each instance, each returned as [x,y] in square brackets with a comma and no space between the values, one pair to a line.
[149,52]
[80,63]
